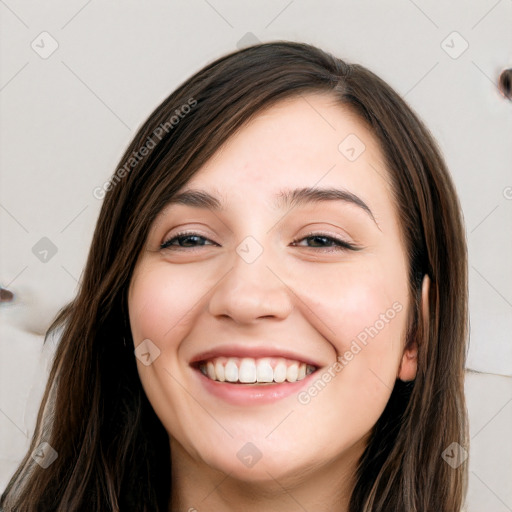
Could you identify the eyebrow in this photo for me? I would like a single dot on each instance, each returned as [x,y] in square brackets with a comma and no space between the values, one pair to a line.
[283,199]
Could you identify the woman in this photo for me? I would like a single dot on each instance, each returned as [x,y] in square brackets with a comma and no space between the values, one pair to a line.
[273,311]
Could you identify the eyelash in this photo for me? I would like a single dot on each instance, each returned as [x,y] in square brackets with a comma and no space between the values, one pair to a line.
[341,245]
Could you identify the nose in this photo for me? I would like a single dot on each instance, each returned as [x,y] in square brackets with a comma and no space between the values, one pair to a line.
[252,291]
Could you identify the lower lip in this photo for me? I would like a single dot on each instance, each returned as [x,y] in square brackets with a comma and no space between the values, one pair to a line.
[250,394]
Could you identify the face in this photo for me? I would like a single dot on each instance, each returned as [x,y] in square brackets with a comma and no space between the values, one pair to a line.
[311,295]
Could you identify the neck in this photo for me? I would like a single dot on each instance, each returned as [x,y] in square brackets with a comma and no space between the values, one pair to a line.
[197,487]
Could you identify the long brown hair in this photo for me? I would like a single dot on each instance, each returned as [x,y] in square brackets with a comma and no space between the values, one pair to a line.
[112,450]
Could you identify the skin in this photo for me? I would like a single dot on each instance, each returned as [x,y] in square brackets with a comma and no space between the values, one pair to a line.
[306,295]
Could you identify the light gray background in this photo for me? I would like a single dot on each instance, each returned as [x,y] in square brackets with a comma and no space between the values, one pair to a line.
[67,116]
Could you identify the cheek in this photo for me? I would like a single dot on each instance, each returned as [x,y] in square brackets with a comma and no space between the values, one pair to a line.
[363,315]
[350,301]
[366,316]
[160,303]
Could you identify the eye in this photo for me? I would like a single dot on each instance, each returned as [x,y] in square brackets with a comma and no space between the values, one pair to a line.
[191,240]
[336,244]
[186,240]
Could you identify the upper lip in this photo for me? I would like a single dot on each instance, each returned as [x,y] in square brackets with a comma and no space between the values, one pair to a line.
[269,350]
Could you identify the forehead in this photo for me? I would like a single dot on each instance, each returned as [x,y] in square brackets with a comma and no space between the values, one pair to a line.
[304,141]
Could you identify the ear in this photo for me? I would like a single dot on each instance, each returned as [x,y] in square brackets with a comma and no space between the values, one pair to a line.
[409,364]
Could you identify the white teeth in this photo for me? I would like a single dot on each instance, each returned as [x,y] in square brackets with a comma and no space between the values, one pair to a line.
[248,370]
[231,371]
[219,370]
[210,369]
[264,372]
[280,372]
[292,372]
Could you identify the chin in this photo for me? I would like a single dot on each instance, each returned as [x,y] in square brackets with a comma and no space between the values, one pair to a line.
[254,462]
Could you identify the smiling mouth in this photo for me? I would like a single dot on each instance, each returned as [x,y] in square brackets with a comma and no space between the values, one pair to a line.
[259,371]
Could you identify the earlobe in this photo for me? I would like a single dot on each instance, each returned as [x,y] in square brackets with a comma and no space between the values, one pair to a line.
[409,363]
